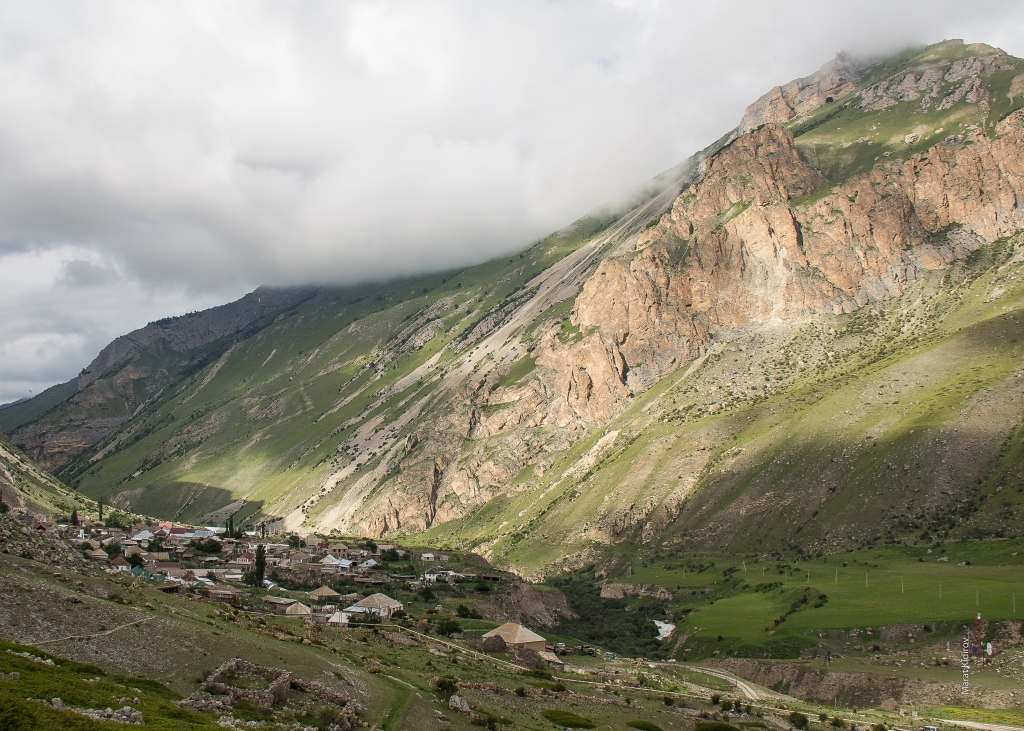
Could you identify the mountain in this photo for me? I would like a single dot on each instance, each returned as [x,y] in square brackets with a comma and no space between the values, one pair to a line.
[804,339]
[18,412]
[26,487]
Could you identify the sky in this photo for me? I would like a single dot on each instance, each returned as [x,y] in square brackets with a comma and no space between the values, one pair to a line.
[168,156]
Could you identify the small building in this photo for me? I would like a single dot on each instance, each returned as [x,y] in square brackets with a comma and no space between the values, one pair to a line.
[279,604]
[428,557]
[324,594]
[120,564]
[552,659]
[338,619]
[379,606]
[516,635]
[228,594]
[97,555]
[298,609]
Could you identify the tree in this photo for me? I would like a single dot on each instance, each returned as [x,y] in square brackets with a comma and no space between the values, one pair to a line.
[101,510]
[260,566]
[294,541]
[448,627]
[74,518]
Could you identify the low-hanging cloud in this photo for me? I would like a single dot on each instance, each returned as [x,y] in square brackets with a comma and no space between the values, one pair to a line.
[169,155]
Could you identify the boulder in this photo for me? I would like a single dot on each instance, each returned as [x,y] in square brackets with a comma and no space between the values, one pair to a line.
[494,643]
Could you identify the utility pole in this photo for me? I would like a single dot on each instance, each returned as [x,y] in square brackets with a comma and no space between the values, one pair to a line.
[901,586]
[865,579]
[837,576]
[976,597]
[940,591]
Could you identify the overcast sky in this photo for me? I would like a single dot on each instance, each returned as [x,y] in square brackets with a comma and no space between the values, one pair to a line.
[160,157]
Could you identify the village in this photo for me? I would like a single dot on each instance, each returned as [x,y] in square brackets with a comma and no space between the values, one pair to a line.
[273,574]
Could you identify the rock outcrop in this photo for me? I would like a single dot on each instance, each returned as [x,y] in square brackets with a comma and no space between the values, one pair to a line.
[736,251]
[834,80]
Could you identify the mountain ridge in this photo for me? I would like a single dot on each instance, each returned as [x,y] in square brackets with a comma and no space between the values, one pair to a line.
[490,407]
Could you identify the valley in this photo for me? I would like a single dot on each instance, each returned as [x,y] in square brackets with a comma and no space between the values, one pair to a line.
[774,400]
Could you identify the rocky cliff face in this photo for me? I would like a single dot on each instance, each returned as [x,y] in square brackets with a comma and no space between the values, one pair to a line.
[834,80]
[137,367]
[736,251]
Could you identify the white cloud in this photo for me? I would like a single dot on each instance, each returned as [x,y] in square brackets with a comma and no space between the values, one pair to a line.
[189,151]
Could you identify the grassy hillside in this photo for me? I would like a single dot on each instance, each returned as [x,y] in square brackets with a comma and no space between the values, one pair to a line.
[25,486]
[20,412]
[896,425]
[269,421]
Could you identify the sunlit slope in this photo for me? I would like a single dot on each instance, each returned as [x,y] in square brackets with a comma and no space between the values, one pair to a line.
[319,389]
[896,423]
[24,486]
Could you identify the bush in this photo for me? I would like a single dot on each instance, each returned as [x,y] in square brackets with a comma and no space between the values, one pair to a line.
[669,700]
[726,705]
[644,725]
[837,723]
[467,612]
[520,691]
[567,719]
[447,686]
[715,699]
[714,726]
[799,720]
[448,627]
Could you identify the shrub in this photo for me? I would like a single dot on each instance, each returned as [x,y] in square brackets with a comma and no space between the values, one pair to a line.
[447,686]
[838,723]
[567,719]
[520,691]
[448,627]
[644,725]
[669,700]
[799,720]
[715,699]
[467,612]
[714,726]
[726,705]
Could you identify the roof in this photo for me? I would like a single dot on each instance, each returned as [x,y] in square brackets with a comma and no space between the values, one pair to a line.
[298,608]
[279,600]
[515,634]
[378,601]
[324,592]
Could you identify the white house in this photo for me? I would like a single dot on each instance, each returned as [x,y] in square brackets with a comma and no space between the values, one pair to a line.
[379,606]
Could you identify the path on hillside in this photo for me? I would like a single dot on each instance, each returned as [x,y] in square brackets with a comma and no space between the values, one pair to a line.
[982,726]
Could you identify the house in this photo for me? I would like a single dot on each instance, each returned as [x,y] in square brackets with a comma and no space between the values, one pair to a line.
[228,594]
[120,564]
[379,606]
[552,659]
[298,609]
[338,619]
[368,564]
[516,635]
[97,555]
[299,557]
[428,557]
[323,594]
[278,604]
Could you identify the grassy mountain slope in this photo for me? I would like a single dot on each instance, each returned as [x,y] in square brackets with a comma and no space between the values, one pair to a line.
[897,422]
[25,486]
[20,412]
[500,409]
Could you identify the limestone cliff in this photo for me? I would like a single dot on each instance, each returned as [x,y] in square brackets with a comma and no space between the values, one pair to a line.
[834,80]
[736,250]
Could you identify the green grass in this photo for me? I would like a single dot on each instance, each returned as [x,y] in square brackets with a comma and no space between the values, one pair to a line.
[82,686]
[567,719]
[23,412]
